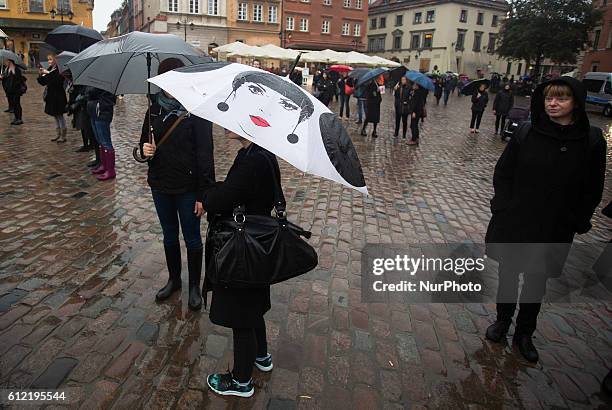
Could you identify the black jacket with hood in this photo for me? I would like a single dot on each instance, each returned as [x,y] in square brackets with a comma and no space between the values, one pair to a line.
[504,100]
[548,184]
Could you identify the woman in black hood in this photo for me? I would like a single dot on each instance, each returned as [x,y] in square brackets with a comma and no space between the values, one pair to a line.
[547,182]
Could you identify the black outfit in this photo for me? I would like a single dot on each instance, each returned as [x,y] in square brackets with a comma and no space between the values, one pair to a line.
[249,182]
[296,77]
[77,107]
[4,72]
[326,90]
[438,91]
[344,97]
[504,100]
[55,96]
[417,105]
[402,108]
[479,103]
[547,187]
[13,83]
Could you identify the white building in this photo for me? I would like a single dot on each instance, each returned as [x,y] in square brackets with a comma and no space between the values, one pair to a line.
[455,35]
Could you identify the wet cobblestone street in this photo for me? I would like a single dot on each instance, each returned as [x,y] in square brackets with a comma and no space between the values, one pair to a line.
[81,261]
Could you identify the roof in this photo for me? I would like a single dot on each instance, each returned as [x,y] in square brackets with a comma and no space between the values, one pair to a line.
[380,5]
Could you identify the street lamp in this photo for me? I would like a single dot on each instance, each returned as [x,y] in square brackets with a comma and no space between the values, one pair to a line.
[185,23]
[61,11]
[284,35]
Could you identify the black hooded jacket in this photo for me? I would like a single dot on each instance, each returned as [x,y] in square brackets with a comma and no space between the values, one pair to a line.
[548,184]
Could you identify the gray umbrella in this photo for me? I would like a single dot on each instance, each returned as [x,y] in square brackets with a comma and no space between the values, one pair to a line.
[122,65]
[9,55]
[62,60]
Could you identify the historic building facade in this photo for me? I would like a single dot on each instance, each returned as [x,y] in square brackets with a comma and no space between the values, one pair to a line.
[598,57]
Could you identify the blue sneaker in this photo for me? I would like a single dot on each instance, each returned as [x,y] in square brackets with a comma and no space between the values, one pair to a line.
[225,385]
[265,364]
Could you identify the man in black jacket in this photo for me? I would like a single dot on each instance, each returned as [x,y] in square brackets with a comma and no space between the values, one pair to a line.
[548,182]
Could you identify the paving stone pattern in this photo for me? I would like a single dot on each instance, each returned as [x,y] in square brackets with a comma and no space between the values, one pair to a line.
[81,260]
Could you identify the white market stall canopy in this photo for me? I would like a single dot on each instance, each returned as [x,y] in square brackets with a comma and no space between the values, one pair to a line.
[270,51]
[3,34]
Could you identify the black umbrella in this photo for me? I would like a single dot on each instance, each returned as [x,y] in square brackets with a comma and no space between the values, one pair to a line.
[370,75]
[357,73]
[73,38]
[472,86]
[396,74]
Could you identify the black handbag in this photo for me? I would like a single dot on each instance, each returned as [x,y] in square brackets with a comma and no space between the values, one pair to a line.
[251,251]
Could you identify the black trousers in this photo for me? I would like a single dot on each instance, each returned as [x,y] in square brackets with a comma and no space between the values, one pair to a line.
[248,344]
[476,117]
[87,135]
[15,104]
[500,118]
[414,127]
[534,288]
[404,119]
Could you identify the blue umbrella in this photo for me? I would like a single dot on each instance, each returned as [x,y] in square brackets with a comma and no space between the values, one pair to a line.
[420,79]
[370,75]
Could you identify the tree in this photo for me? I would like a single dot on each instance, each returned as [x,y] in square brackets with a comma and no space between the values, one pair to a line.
[539,29]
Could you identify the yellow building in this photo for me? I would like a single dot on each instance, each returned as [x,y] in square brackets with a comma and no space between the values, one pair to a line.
[27,22]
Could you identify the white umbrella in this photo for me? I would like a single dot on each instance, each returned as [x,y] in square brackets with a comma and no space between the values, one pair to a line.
[272,112]
[324,56]
[279,53]
[384,62]
[238,48]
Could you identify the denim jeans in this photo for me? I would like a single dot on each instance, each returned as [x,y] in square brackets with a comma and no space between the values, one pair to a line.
[361,103]
[174,207]
[102,133]
[344,102]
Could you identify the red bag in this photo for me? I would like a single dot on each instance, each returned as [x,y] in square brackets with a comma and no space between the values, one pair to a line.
[348,90]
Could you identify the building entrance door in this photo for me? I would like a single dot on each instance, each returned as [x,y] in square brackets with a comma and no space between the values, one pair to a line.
[424,64]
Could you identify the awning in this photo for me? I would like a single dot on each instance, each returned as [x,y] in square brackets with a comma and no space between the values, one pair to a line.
[25,24]
[3,34]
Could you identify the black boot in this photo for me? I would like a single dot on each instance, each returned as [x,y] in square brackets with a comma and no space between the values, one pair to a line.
[498,330]
[363,132]
[173,260]
[194,263]
[95,162]
[526,347]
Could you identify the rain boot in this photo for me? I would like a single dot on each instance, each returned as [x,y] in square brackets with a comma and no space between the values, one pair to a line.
[109,166]
[58,131]
[194,264]
[173,261]
[96,161]
[63,132]
[100,169]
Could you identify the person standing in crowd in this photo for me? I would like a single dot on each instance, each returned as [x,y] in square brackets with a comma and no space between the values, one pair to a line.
[178,186]
[100,107]
[316,78]
[547,183]
[77,108]
[480,98]
[54,97]
[256,64]
[360,95]
[13,82]
[504,100]
[32,58]
[448,87]
[373,100]
[438,89]
[334,76]
[402,105]
[325,87]
[296,77]
[417,107]
[345,83]
[249,182]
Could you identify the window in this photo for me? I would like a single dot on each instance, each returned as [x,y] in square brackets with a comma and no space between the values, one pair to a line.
[347,3]
[64,5]
[272,14]
[383,22]
[609,44]
[459,44]
[477,40]
[428,40]
[480,19]
[380,44]
[608,88]
[290,24]
[491,45]
[431,16]
[258,12]
[172,5]
[494,21]
[509,67]
[305,1]
[359,4]
[194,6]
[416,41]
[327,2]
[519,68]
[593,86]
[346,29]
[213,7]
[3,4]
[397,42]
[373,23]
[303,24]
[371,44]
[399,20]
[418,17]
[357,30]
[243,13]
[325,27]
[596,40]
[463,16]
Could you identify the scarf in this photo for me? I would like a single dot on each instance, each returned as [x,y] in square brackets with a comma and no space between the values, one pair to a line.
[170,105]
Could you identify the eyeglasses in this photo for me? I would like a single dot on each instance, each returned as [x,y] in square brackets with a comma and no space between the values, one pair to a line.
[558,99]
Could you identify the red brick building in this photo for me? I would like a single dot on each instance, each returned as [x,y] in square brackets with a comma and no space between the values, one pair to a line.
[599,56]
[320,24]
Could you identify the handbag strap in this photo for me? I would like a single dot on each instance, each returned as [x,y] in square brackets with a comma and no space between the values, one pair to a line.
[172,128]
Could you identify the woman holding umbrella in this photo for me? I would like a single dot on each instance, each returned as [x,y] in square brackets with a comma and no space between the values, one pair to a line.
[54,96]
[179,172]
[373,100]
[13,82]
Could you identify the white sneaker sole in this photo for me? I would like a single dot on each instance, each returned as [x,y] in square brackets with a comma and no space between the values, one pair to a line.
[264,368]
[231,392]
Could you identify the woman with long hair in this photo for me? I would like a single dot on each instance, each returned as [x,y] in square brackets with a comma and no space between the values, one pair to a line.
[54,96]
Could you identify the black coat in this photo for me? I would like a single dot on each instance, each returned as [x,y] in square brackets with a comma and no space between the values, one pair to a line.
[342,82]
[326,89]
[548,185]
[373,100]
[100,104]
[417,101]
[402,100]
[504,100]
[12,82]
[55,95]
[77,107]
[480,101]
[248,182]
[184,162]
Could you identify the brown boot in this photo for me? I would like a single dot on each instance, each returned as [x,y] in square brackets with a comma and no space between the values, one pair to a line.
[58,131]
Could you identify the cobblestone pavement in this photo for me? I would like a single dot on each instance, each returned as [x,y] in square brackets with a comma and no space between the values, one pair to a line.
[81,260]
